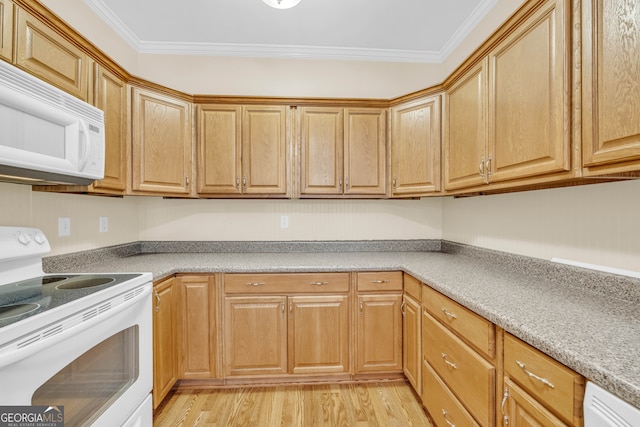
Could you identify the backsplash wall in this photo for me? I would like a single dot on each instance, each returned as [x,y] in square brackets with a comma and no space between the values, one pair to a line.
[596,224]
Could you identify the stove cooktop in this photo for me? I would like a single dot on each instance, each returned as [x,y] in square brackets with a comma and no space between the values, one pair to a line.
[26,298]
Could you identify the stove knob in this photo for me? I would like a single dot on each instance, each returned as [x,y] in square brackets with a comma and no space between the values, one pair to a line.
[40,238]
[24,238]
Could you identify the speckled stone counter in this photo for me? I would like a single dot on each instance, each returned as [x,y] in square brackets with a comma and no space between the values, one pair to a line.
[587,320]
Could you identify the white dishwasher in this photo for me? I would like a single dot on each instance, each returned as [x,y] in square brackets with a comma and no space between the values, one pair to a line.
[603,409]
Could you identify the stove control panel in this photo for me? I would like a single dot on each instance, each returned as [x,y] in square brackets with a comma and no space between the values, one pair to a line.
[22,242]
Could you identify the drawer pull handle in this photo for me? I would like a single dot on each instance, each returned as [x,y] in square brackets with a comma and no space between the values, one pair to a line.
[255,283]
[453,365]
[448,313]
[534,376]
[157,301]
[380,281]
[446,420]
[318,283]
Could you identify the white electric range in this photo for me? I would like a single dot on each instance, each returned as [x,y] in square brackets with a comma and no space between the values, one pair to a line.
[80,343]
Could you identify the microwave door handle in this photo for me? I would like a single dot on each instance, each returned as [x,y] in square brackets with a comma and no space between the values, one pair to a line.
[85,146]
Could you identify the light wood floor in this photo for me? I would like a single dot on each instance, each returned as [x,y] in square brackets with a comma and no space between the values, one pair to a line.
[384,404]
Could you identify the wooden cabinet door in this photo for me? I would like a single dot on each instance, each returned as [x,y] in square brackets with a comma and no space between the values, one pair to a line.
[522,410]
[529,99]
[611,85]
[255,335]
[264,150]
[46,54]
[219,149]
[321,150]
[319,334]
[197,327]
[412,342]
[415,147]
[365,151]
[164,340]
[161,149]
[110,95]
[466,133]
[379,333]
[6,29]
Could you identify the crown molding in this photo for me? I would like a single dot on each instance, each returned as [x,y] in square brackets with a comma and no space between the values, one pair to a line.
[290,51]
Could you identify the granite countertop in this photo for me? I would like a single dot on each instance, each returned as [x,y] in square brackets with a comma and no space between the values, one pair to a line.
[587,320]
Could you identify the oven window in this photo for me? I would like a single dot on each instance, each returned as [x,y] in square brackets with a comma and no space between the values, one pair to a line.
[92,382]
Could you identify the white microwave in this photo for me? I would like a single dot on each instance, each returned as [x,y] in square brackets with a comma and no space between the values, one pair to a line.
[46,135]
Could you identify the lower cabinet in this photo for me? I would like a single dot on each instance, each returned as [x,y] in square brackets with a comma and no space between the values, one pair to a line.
[164,340]
[379,322]
[196,327]
[538,390]
[301,334]
[412,332]
[459,363]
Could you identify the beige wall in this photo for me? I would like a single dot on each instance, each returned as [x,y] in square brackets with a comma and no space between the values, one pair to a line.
[596,224]
[308,219]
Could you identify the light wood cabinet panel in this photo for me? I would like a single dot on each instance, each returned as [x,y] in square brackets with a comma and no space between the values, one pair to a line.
[319,334]
[470,377]
[466,131]
[365,151]
[110,95]
[255,335]
[164,340]
[415,147]
[474,329]
[6,29]
[550,383]
[219,149]
[264,150]
[443,406]
[379,333]
[610,85]
[46,54]
[197,327]
[285,283]
[412,342]
[343,151]
[321,150]
[161,147]
[522,410]
[529,97]
[379,281]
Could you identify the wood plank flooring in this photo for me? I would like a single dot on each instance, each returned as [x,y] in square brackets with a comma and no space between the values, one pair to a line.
[372,404]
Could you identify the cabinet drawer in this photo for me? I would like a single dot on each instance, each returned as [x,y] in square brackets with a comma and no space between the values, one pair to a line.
[467,374]
[412,286]
[380,281]
[476,330]
[442,405]
[286,283]
[551,383]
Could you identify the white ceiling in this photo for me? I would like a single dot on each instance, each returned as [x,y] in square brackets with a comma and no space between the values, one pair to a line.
[419,31]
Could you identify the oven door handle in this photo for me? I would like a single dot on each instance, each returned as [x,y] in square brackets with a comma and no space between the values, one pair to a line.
[30,344]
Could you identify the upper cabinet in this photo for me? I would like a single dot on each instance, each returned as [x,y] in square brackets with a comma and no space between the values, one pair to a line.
[161,152]
[465,129]
[610,86]
[110,95]
[46,54]
[508,116]
[6,29]
[343,151]
[243,150]
[415,147]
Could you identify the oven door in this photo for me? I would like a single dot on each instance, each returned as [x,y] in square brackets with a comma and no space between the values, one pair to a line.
[100,370]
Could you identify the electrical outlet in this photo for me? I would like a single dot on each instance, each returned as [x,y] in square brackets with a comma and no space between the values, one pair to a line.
[64,226]
[284,221]
[104,224]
